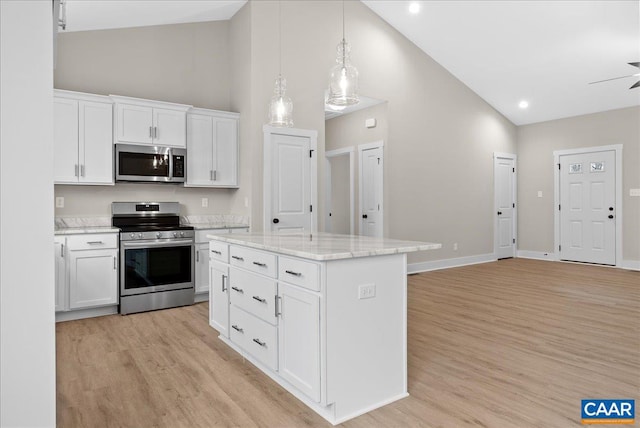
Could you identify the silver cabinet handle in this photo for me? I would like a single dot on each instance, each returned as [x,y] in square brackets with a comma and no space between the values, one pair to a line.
[263,344]
[115,265]
[237,258]
[197,256]
[151,132]
[95,242]
[260,264]
[259,299]
[155,132]
[61,250]
[215,175]
[238,329]
[217,252]
[75,170]
[277,306]
[224,289]
[82,170]
[210,175]
[290,272]
[239,290]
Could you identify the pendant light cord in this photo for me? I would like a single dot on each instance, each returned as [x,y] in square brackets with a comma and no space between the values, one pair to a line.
[280,38]
[344,47]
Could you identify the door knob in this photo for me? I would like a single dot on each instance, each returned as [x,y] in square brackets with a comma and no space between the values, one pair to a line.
[610,208]
[610,215]
[276,221]
[364,216]
[499,212]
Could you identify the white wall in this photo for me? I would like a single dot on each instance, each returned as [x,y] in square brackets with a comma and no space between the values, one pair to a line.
[27,326]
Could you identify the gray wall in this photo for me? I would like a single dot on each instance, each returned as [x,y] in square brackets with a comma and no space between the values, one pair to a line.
[536,144]
[340,203]
[182,63]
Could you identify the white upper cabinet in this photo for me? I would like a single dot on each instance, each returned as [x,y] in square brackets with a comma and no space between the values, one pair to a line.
[148,122]
[212,148]
[83,124]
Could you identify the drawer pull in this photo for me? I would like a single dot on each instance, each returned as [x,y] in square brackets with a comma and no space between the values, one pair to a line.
[95,242]
[238,329]
[259,299]
[237,258]
[263,344]
[217,252]
[290,272]
[239,290]
[260,264]
[278,306]
[224,280]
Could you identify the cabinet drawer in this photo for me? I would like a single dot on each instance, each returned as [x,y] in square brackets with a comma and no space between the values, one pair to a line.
[299,272]
[253,293]
[256,337]
[201,235]
[219,251]
[92,241]
[253,260]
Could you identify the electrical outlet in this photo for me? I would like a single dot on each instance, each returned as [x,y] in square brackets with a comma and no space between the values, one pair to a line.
[246,202]
[59,201]
[205,202]
[634,192]
[455,246]
[366,291]
[539,193]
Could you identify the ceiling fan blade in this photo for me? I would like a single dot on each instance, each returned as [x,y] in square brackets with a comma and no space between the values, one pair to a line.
[635,64]
[614,78]
[635,85]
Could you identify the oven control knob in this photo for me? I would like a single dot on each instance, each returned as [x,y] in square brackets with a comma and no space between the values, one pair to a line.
[158,235]
[182,234]
[139,235]
[175,234]
[133,235]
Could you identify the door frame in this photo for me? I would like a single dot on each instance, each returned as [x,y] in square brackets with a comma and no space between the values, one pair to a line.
[617,148]
[269,131]
[361,148]
[514,232]
[332,154]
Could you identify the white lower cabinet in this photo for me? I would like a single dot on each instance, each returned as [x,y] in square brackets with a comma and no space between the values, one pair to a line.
[299,339]
[86,268]
[219,298]
[202,259]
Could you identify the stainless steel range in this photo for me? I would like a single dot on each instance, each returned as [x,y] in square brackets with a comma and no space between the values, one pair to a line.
[156,256]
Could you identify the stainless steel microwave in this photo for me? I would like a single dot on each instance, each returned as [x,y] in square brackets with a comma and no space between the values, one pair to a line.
[150,163]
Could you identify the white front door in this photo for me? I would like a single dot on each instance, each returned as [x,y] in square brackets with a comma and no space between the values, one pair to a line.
[505,204]
[371,167]
[587,207]
[289,181]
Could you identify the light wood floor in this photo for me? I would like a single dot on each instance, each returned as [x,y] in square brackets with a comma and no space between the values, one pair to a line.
[514,343]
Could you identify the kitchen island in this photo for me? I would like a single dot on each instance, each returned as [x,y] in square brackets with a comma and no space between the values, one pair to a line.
[324,315]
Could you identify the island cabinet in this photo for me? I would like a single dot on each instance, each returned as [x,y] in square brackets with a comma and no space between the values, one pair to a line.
[323,315]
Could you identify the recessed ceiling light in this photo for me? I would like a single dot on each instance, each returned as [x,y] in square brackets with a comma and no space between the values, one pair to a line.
[414,7]
[523,104]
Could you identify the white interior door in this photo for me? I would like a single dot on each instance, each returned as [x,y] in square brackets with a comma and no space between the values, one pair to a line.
[289,181]
[587,207]
[371,180]
[505,206]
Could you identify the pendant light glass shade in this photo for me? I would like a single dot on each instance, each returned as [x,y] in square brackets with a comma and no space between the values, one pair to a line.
[281,107]
[343,79]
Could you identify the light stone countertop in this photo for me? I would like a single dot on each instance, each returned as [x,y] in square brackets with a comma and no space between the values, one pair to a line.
[86,229]
[80,225]
[217,225]
[325,246]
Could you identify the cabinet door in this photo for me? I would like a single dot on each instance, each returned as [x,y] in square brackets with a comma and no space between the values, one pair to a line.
[200,149]
[219,298]
[202,268]
[134,124]
[93,279]
[96,142]
[60,274]
[299,339]
[225,156]
[170,128]
[65,141]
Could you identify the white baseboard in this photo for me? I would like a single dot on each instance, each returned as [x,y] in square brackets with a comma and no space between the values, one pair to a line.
[449,263]
[537,255]
[630,264]
[86,313]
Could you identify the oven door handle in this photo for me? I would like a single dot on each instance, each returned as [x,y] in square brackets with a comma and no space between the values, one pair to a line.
[152,244]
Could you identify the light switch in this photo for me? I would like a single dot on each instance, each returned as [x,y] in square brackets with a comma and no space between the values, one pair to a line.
[370,123]
[634,192]
[59,201]
[205,202]
[539,193]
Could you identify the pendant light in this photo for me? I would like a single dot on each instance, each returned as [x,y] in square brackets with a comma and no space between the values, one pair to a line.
[280,107]
[343,77]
